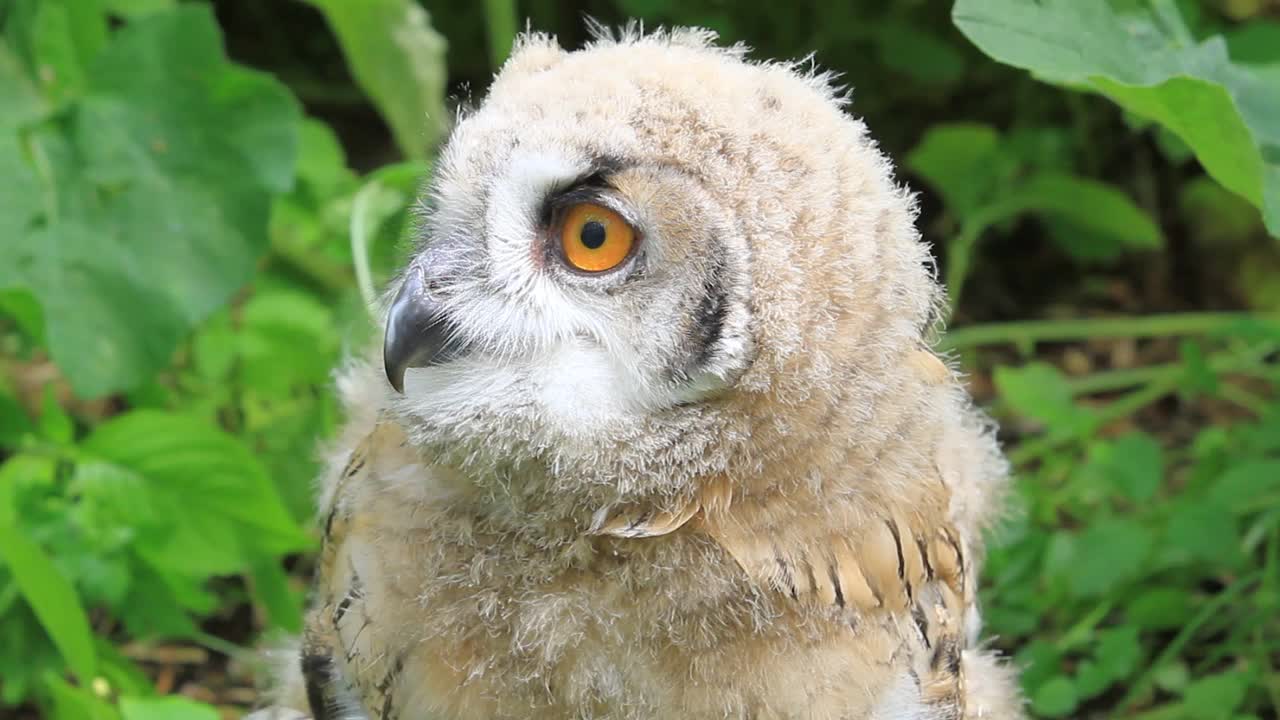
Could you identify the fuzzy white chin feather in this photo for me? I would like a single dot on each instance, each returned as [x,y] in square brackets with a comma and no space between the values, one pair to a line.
[576,386]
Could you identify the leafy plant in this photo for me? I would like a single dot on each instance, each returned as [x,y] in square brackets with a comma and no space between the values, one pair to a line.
[1144,57]
[167,477]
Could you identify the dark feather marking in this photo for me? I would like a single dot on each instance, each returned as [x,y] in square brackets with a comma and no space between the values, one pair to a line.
[355,593]
[641,520]
[709,319]
[784,576]
[353,466]
[835,581]
[342,609]
[946,533]
[948,653]
[328,522]
[317,674]
[922,624]
[897,543]
[350,651]
[813,581]
[385,687]
[707,326]
[924,556]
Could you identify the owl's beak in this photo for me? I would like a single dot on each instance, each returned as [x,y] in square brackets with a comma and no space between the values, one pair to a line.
[417,333]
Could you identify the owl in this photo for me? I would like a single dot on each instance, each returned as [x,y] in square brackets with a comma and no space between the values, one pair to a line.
[656,430]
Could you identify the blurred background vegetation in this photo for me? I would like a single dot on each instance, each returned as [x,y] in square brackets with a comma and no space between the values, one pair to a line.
[198,200]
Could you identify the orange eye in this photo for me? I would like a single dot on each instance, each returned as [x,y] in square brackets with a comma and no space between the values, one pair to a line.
[595,238]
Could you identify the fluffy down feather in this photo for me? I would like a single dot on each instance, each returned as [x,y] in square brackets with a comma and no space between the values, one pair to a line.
[788,525]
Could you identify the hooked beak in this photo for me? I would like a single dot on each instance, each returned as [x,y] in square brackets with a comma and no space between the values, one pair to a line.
[417,332]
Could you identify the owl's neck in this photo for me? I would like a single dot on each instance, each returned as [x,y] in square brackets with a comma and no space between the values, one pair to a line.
[847,453]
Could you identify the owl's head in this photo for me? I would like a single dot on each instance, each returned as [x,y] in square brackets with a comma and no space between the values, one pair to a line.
[638,252]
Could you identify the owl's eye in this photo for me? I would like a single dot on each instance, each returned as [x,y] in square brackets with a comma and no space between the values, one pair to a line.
[595,238]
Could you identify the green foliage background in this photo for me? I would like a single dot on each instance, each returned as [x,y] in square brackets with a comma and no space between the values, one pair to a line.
[199,200]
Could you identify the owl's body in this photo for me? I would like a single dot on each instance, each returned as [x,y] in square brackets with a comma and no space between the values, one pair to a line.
[723,478]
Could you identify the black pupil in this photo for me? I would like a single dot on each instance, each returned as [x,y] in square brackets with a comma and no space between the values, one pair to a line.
[592,234]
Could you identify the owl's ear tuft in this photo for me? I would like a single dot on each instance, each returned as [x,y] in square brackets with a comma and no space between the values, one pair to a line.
[532,52]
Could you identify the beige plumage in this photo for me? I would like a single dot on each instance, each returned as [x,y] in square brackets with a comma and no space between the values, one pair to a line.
[725,479]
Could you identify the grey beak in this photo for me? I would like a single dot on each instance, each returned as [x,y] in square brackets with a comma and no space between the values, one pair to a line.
[417,332]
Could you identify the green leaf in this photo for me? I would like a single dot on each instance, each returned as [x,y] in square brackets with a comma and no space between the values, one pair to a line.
[1132,463]
[1101,221]
[287,339]
[917,53]
[271,589]
[1203,530]
[1055,698]
[1159,608]
[1038,390]
[50,595]
[137,8]
[165,708]
[22,101]
[1255,42]
[14,423]
[76,703]
[1226,113]
[223,510]
[147,209]
[322,164]
[1216,696]
[957,160]
[1108,553]
[1118,652]
[65,38]
[398,58]
[1244,482]
[55,425]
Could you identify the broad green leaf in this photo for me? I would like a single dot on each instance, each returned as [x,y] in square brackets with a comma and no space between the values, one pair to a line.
[398,59]
[165,708]
[271,590]
[1215,697]
[66,36]
[1159,608]
[918,53]
[1055,698]
[56,425]
[1039,391]
[959,162]
[1109,552]
[137,8]
[76,703]
[1255,42]
[322,164]
[287,339]
[50,595]
[224,511]
[22,102]
[1243,483]
[147,208]
[1118,652]
[1101,220]
[1132,464]
[14,423]
[1228,114]
[1203,530]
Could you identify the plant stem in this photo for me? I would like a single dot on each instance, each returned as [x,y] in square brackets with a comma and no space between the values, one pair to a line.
[500,21]
[959,256]
[1041,446]
[1207,613]
[329,276]
[1034,331]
